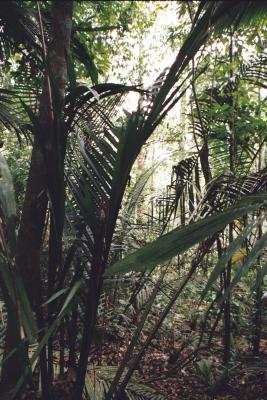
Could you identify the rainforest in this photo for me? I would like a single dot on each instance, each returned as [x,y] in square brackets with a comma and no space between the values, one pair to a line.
[133,200]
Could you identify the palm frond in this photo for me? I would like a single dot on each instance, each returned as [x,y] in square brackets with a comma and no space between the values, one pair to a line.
[226,190]
[12,115]
[19,27]
[93,147]
[181,239]
[253,71]
[10,280]
[98,380]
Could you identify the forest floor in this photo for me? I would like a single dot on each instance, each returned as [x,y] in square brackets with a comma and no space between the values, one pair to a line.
[245,383]
[180,380]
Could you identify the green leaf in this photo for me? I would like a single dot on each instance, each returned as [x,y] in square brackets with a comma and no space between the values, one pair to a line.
[179,240]
[8,203]
[261,274]
[250,260]
[18,295]
[231,250]
[55,296]
[65,308]
[27,315]
[11,280]
[84,56]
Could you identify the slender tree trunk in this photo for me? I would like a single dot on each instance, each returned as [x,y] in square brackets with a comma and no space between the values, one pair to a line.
[92,302]
[257,320]
[257,317]
[29,241]
[227,316]
[142,155]
[228,272]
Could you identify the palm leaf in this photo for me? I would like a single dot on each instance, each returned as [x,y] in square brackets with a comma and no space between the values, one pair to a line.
[66,305]
[180,239]
[12,115]
[98,381]
[19,27]
[225,190]
[11,282]
[229,254]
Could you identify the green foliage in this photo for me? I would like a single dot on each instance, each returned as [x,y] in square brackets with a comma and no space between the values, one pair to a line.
[98,381]
[180,240]
[101,36]
[204,369]
[10,280]
[102,144]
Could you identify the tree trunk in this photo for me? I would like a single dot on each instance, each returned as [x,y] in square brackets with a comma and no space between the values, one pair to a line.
[29,241]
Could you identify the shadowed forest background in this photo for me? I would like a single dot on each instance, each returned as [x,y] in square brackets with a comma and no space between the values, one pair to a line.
[133,200]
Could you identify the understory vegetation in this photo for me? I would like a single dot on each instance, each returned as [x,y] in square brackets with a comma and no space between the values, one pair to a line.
[133,200]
